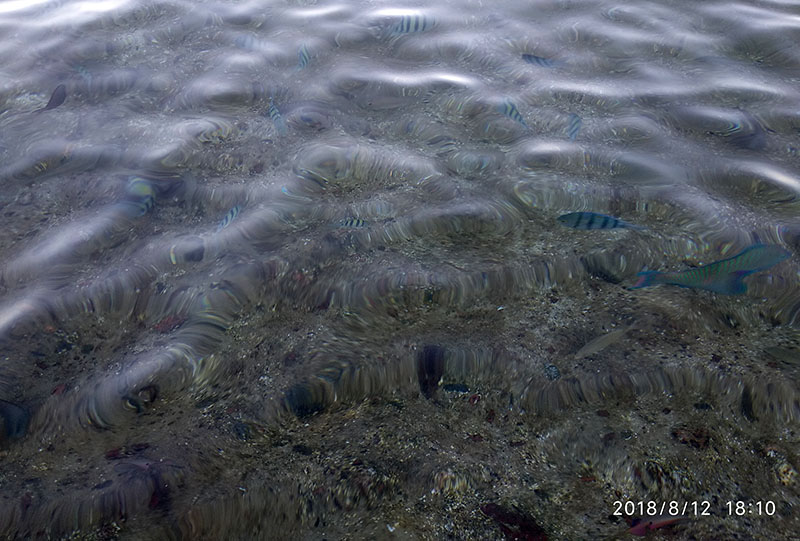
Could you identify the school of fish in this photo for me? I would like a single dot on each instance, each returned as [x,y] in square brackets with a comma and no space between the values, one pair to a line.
[725,276]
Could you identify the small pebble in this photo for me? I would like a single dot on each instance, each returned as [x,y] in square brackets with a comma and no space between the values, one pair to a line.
[552,372]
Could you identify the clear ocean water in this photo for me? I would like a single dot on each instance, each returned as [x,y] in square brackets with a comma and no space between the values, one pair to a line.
[370,270]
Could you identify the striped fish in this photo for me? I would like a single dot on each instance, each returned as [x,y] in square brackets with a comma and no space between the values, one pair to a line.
[277,119]
[353,222]
[539,60]
[574,123]
[226,221]
[510,110]
[725,276]
[303,57]
[411,23]
[594,220]
[140,197]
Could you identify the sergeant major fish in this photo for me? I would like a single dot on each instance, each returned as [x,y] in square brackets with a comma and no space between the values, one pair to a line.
[508,108]
[303,57]
[594,220]
[725,276]
[353,223]
[277,119]
[539,60]
[410,23]
[574,123]
[226,221]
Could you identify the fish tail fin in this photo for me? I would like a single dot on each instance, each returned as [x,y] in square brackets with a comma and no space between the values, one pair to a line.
[646,279]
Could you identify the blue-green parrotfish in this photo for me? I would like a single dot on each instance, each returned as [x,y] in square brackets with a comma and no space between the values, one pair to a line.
[725,276]
[594,220]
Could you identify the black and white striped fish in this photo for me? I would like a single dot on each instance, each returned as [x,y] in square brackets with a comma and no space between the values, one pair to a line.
[574,123]
[303,57]
[277,118]
[410,23]
[226,221]
[593,220]
[353,223]
[508,108]
[539,60]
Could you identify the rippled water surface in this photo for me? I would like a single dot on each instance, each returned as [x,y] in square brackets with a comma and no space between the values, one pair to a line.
[295,269]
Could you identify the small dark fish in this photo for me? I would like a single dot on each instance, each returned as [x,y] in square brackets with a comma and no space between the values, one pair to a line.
[56,99]
[277,119]
[303,58]
[725,276]
[574,123]
[455,388]
[14,421]
[302,401]
[430,367]
[747,404]
[594,220]
[511,111]
[539,60]
[233,213]
[353,222]
[411,23]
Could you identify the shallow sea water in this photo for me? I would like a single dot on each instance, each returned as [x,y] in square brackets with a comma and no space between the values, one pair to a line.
[293,270]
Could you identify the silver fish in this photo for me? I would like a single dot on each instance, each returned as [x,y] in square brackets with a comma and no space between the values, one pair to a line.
[601,342]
